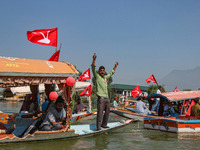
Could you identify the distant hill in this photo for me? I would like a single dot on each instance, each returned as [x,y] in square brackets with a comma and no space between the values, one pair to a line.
[183,79]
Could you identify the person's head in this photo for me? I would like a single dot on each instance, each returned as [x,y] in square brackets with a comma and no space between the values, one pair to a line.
[197,100]
[102,71]
[140,98]
[160,87]
[59,104]
[115,98]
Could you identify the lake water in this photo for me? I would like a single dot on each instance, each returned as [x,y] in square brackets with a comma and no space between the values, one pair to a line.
[130,137]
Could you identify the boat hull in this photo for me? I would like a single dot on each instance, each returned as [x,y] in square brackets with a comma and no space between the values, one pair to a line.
[130,115]
[73,132]
[183,124]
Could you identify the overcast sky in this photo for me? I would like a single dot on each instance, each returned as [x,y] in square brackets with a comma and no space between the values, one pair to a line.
[145,36]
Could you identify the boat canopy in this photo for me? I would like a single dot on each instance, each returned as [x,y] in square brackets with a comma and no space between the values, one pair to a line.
[176,96]
[21,72]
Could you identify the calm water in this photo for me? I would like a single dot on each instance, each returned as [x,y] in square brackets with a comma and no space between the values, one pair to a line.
[131,137]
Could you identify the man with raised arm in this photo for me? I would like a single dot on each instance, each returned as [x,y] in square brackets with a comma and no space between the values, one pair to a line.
[103,102]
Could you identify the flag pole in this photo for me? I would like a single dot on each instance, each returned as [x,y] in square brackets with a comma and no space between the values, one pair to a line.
[90,107]
[157,83]
[60,46]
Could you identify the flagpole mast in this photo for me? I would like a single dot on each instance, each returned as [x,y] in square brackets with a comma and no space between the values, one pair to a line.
[157,83]
[89,101]
[60,46]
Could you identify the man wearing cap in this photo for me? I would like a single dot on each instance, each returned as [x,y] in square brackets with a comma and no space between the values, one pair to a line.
[115,104]
[103,102]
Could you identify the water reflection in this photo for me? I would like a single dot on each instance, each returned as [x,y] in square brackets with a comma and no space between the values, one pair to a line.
[8,107]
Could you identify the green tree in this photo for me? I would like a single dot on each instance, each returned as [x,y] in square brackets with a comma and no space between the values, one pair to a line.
[152,89]
[187,90]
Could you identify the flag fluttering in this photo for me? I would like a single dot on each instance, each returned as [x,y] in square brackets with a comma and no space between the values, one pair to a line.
[136,91]
[151,79]
[176,90]
[55,56]
[189,109]
[46,37]
[87,91]
[86,75]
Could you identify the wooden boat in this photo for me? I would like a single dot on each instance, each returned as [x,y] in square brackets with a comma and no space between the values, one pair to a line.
[182,124]
[129,112]
[179,124]
[76,117]
[74,131]
[15,72]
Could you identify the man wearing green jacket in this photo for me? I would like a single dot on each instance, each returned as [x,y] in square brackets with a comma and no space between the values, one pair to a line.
[103,102]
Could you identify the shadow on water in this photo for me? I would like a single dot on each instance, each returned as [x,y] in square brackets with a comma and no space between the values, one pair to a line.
[130,137]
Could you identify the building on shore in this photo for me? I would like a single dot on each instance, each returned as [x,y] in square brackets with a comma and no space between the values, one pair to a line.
[124,90]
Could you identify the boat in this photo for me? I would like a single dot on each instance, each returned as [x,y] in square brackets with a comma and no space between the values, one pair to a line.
[129,112]
[73,132]
[179,125]
[16,72]
[184,123]
[82,115]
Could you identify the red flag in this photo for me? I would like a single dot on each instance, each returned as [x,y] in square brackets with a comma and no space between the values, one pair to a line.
[189,109]
[87,91]
[176,90]
[55,56]
[86,75]
[151,79]
[136,91]
[46,37]
[186,103]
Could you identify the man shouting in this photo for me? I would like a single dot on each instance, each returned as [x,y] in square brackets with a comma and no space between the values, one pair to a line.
[103,102]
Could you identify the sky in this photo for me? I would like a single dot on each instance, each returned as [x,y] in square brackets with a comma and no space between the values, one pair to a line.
[145,36]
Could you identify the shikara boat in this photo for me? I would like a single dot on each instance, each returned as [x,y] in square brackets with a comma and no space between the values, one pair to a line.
[16,72]
[180,124]
[76,117]
[130,113]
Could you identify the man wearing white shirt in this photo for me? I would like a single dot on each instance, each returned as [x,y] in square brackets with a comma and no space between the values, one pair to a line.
[140,107]
[155,106]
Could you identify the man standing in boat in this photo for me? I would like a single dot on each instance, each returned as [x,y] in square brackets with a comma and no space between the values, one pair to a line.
[156,105]
[103,102]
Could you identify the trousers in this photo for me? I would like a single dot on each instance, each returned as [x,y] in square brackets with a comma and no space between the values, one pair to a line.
[103,104]
[51,128]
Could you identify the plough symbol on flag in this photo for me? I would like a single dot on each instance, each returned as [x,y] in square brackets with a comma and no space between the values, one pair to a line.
[45,40]
[85,75]
[136,91]
[87,91]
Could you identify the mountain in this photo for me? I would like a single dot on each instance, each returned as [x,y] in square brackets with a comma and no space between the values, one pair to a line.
[183,79]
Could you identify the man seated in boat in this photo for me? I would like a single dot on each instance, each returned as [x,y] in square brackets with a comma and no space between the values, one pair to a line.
[115,104]
[29,107]
[56,116]
[195,109]
[168,109]
[79,107]
[140,107]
